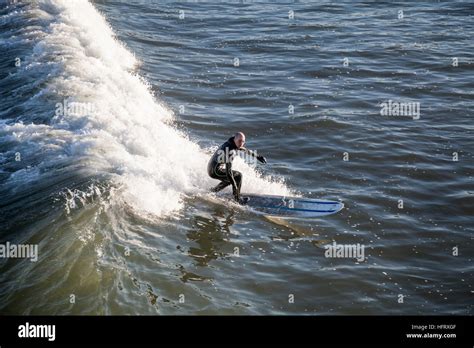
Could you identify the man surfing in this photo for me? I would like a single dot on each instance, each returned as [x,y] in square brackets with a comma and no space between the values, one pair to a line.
[220,164]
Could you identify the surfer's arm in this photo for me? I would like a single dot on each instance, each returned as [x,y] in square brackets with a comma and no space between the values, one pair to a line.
[247,151]
[254,154]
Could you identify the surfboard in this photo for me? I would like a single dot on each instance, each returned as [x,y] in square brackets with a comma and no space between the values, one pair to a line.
[291,207]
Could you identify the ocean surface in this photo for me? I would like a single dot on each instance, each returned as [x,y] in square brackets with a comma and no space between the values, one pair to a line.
[110,110]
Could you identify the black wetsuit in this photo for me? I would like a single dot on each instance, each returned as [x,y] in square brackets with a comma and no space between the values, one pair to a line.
[220,167]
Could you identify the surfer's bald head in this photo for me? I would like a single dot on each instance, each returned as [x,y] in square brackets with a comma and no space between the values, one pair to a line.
[239,139]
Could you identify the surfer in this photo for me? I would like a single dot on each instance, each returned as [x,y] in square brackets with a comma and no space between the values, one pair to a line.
[220,164]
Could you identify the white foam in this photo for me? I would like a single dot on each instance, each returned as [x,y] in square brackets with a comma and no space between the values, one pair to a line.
[129,131]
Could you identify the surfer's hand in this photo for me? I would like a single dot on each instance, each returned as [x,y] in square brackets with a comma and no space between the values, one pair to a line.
[262,159]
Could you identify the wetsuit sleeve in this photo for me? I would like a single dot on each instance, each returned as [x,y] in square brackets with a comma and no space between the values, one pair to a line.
[249,152]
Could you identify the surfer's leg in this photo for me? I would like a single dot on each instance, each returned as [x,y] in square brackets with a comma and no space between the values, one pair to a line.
[222,185]
[218,173]
[238,179]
